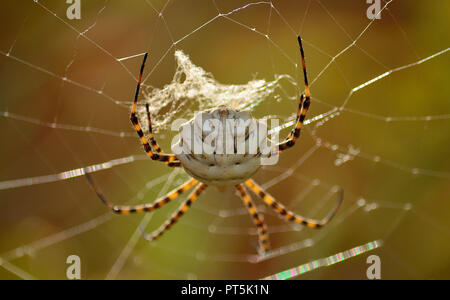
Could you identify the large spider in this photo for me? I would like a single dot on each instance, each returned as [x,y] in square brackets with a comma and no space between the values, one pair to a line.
[219,170]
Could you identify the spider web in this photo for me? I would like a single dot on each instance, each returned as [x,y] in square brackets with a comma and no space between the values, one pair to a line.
[377,127]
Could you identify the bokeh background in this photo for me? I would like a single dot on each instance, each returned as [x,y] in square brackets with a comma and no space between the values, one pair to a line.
[400,163]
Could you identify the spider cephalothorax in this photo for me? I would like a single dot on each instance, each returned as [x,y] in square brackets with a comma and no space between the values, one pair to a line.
[222,146]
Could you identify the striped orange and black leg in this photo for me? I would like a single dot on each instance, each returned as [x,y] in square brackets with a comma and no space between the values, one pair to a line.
[177,215]
[168,158]
[288,215]
[150,131]
[303,107]
[153,142]
[123,210]
[263,237]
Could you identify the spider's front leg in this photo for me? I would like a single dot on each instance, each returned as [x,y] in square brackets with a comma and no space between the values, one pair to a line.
[169,159]
[178,214]
[303,108]
[263,237]
[124,210]
[288,215]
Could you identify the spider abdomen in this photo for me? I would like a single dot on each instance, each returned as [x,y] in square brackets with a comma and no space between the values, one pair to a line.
[222,146]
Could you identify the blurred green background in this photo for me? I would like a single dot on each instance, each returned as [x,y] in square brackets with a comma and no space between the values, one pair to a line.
[400,162]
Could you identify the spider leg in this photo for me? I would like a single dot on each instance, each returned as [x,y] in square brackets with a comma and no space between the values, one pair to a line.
[123,210]
[263,237]
[178,214]
[169,159]
[302,108]
[153,140]
[288,215]
[150,131]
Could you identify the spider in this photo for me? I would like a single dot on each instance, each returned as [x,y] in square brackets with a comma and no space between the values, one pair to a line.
[229,169]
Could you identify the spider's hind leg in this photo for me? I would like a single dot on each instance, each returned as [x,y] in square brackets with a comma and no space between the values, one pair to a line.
[169,159]
[154,143]
[303,108]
